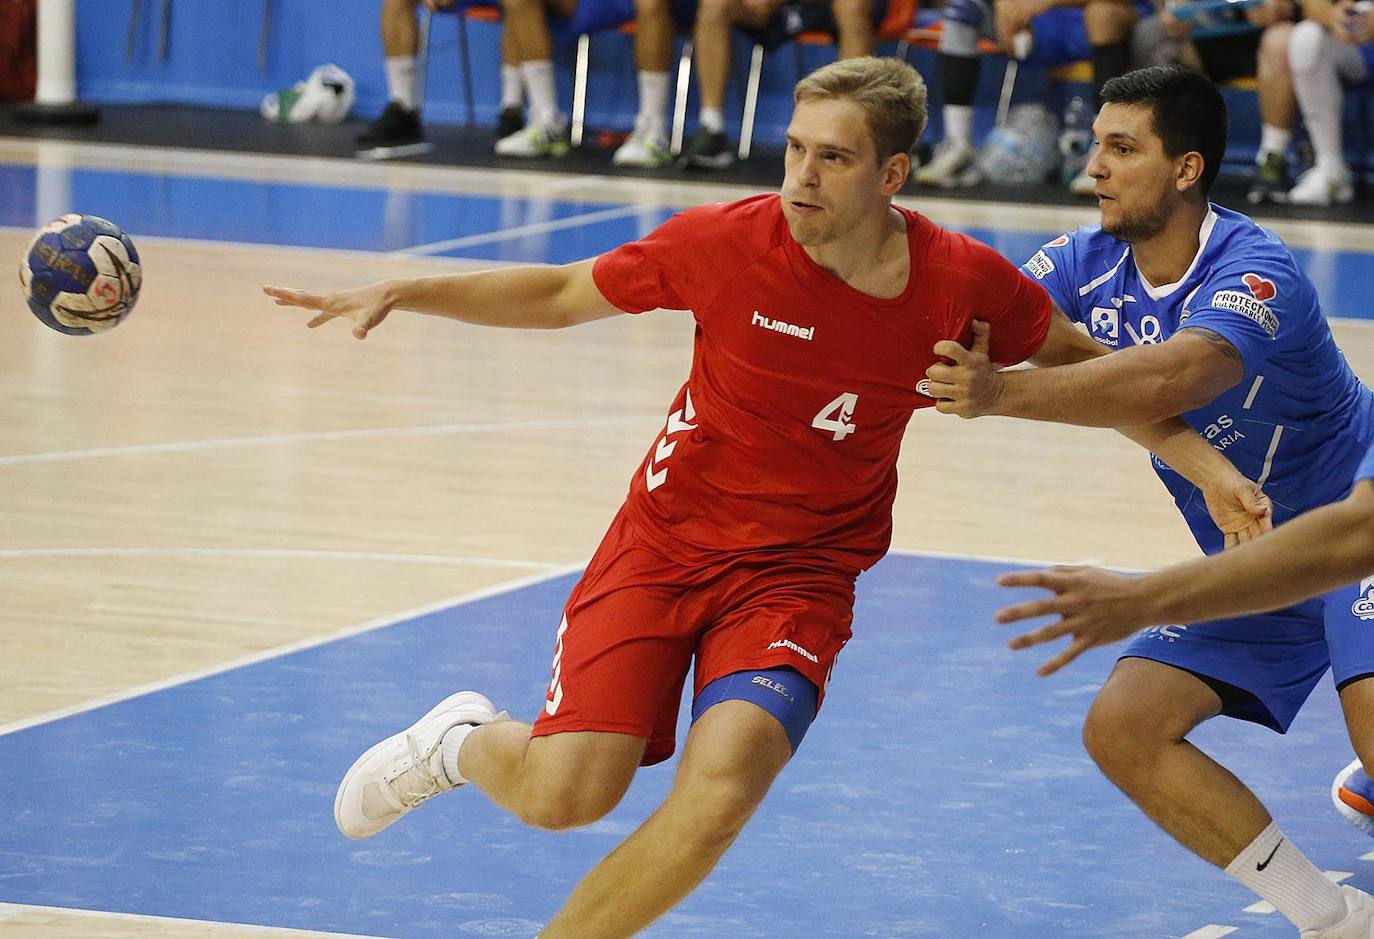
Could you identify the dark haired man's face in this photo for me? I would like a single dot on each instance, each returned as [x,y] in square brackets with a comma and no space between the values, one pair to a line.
[1136,179]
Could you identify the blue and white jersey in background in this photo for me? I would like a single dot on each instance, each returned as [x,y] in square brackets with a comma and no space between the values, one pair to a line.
[1299,423]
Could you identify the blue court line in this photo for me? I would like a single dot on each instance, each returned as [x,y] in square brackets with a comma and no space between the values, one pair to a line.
[371,219]
[942,793]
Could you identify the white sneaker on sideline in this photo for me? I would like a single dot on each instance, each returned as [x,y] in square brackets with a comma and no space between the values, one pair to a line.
[954,166]
[405,769]
[1358,922]
[1318,187]
[1083,185]
[537,141]
[647,149]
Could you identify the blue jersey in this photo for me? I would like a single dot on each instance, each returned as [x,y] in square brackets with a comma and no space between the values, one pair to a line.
[1366,470]
[1298,423]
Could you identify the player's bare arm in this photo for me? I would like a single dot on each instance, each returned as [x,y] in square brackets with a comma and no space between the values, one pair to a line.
[1239,508]
[1137,385]
[1097,607]
[539,296]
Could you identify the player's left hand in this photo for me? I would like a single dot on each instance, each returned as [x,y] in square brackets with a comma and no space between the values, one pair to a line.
[365,306]
[1239,508]
[1095,608]
[971,386]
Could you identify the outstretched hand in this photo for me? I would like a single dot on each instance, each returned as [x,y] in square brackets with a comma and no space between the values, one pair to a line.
[366,306]
[1095,608]
[972,384]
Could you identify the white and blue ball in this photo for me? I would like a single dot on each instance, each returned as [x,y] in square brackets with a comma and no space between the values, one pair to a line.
[81,275]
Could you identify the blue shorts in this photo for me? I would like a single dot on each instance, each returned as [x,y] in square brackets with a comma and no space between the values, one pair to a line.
[595,16]
[1367,53]
[1060,36]
[1264,666]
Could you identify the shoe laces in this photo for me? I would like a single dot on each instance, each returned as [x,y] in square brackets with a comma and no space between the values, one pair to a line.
[416,782]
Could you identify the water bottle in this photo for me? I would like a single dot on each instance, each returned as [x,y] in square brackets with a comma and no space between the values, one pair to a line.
[1076,139]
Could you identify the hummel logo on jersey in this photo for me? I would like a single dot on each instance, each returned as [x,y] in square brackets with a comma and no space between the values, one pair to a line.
[1265,863]
[1364,606]
[789,644]
[778,326]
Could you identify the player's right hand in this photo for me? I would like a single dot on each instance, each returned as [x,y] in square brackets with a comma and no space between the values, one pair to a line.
[366,306]
[1095,608]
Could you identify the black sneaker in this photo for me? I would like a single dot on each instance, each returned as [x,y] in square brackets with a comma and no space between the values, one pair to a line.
[396,127]
[1272,180]
[512,120]
[707,150]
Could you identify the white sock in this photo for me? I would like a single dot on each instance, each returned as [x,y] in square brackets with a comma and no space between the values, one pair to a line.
[713,119]
[400,80]
[653,102]
[512,88]
[449,746]
[543,98]
[1273,140]
[959,124]
[1273,867]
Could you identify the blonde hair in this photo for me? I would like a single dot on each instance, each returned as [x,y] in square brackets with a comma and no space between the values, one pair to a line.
[891,93]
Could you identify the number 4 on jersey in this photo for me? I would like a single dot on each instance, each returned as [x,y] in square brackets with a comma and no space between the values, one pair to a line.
[835,416]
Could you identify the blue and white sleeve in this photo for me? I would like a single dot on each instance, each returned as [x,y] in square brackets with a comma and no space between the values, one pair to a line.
[1053,267]
[1250,305]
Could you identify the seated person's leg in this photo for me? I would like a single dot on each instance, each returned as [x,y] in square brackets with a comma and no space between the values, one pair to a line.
[1108,24]
[545,134]
[853,27]
[647,146]
[399,124]
[957,62]
[512,88]
[709,148]
[1278,109]
[1319,64]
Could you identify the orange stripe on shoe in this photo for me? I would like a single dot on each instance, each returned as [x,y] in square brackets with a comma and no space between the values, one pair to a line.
[1357,802]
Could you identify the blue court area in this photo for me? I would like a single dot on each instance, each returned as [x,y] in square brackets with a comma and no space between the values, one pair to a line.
[477,227]
[942,793]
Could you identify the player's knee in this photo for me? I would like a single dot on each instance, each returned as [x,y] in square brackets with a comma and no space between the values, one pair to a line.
[563,808]
[718,807]
[1273,48]
[1108,21]
[1305,47]
[1116,737]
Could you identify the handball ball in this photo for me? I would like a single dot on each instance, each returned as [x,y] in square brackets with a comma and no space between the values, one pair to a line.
[81,275]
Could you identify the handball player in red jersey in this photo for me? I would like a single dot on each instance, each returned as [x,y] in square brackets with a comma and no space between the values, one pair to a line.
[766,493]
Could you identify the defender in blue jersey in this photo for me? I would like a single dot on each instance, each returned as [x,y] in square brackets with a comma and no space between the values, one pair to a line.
[1212,319]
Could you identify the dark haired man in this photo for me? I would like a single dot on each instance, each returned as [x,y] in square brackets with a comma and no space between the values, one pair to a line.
[1214,321]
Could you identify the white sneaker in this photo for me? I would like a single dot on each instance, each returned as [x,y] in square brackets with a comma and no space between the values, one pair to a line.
[1358,922]
[644,149]
[405,769]
[537,141]
[1083,185]
[954,166]
[1317,187]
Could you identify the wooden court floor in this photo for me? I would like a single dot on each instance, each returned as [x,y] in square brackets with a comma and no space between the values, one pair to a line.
[212,480]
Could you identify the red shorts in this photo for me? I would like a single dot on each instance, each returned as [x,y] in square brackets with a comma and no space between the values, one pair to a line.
[636,619]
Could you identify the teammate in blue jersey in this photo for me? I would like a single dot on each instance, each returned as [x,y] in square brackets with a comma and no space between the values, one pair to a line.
[1212,319]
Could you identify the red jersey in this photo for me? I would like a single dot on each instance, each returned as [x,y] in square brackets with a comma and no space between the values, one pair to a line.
[786,435]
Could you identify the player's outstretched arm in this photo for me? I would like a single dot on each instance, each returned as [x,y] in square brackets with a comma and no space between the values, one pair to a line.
[539,296]
[1134,386]
[1312,554]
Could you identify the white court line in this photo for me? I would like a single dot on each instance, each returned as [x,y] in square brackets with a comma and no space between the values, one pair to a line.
[277,652]
[1211,931]
[9,911]
[273,554]
[520,231]
[223,443]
